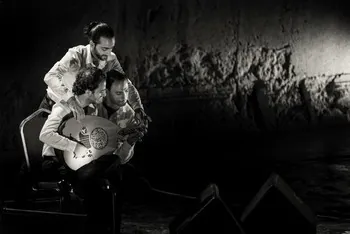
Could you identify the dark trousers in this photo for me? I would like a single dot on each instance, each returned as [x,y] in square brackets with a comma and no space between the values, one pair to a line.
[53,169]
[47,169]
[89,182]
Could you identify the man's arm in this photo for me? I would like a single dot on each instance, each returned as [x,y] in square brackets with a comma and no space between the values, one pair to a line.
[125,151]
[49,134]
[53,78]
[69,62]
[134,97]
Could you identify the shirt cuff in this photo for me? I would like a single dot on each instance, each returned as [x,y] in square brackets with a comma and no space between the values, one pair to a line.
[71,146]
[127,146]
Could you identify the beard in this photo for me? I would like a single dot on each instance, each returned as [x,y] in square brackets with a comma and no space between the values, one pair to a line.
[99,56]
[119,103]
[122,103]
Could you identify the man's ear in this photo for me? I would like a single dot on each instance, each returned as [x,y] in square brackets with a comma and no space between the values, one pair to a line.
[88,92]
[92,44]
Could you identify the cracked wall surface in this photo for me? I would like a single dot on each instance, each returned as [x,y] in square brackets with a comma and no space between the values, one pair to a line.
[230,80]
[291,46]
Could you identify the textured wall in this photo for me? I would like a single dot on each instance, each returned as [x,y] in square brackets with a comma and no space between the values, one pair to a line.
[200,65]
[295,54]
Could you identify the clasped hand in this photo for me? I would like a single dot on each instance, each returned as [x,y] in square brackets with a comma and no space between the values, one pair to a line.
[142,119]
[132,133]
[135,136]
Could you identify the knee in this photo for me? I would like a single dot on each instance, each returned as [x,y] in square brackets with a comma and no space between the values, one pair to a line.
[84,177]
[50,163]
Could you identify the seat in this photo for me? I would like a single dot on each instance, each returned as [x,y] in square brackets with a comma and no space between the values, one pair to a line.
[43,195]
[40,187]
[46,197]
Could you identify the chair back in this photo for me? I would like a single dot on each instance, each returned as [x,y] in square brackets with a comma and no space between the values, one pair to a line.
[30,129]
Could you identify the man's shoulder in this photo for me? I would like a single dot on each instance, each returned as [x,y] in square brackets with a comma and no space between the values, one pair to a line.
[112,57]
[60,109]
[78,49]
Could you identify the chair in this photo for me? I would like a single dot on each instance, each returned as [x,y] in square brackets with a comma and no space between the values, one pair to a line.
[30,129]
[41,187]
[45,196]
[42,190]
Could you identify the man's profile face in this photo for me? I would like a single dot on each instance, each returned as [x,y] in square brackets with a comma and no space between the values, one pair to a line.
[104,48]
[99,93]
[118,94]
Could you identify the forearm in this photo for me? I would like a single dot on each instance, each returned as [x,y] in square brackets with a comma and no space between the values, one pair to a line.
[56,141]
[49,134]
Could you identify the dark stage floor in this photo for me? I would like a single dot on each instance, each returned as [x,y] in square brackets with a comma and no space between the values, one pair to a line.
[316,165]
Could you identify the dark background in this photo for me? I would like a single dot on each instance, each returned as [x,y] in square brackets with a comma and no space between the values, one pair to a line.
[236,89]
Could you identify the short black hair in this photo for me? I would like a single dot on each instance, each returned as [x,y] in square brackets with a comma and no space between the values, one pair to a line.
[95,30]
[88,79]
[112,76]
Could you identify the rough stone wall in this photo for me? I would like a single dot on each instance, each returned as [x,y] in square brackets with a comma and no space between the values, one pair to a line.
[293,53]
[288,99]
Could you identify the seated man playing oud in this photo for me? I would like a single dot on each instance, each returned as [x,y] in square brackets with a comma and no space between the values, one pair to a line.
[90,88]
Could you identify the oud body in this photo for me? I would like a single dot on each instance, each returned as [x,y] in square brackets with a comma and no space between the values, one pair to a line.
[97,134]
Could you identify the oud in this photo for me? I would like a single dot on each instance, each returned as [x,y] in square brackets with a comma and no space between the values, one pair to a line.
[99,135]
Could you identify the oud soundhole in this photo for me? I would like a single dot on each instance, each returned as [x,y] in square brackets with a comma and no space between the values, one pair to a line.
[99,138]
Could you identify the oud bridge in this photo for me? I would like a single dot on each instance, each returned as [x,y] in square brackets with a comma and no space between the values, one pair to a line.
[88,154]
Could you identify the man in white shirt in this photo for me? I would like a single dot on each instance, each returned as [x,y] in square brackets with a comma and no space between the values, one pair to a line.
[86,180]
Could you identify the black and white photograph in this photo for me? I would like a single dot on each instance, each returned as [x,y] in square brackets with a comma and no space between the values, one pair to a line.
[175,116]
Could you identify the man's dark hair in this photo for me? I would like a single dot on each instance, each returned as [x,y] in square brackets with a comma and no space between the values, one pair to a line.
[95,30]
[88,79]
[114,75]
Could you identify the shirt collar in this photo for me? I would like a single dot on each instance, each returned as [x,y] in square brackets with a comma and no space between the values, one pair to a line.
[77,99]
